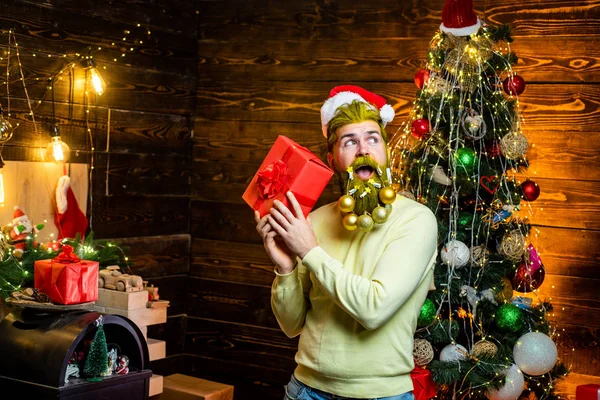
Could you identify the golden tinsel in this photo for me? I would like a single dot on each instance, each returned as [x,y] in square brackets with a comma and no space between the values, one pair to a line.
[484,347]
[480,256]
[512,245]
[422,352]
[513,145]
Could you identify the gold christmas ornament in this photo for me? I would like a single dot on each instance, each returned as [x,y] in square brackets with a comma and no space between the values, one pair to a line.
[387,195]
[365,223]
[346,203]
[422,352]
[484,347]
[380,215]
[350,221]
[512,245]
[480,256]
[513,145]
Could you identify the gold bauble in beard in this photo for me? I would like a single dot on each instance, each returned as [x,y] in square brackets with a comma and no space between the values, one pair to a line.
[365,223]
[380,215]
[387,195]
[350,221]
[346,203]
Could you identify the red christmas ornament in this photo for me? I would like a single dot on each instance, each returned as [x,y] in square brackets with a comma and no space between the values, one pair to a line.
[421,78]
[494,149]
[530,273]
[531,190]
[420,128]
[514,85]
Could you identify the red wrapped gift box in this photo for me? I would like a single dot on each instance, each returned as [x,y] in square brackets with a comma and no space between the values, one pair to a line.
[424,386]
[66,279]
[587,392]
[287,167]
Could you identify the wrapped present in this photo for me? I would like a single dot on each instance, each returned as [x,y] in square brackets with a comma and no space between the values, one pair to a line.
[424,386]
[66,279]
[287,167]
[587,392]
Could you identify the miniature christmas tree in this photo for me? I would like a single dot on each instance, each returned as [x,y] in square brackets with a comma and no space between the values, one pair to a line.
[463,154]
[96,363]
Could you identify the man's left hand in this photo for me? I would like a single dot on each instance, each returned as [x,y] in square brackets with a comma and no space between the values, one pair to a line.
[295,230]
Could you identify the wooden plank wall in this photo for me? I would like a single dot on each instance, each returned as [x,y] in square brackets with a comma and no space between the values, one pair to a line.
[140,128]
[264,69]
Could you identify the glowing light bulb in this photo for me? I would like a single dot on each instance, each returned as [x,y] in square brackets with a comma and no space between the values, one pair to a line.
[57,150]
[95,78]
[97,81]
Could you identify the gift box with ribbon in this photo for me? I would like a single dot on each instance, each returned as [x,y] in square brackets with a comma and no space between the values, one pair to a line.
[424,386]
[66,279]
[287,167]
[590,391]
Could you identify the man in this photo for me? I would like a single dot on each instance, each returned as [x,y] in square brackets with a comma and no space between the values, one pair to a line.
[353,295]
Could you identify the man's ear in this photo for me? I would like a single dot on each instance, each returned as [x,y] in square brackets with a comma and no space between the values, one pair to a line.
[330,160]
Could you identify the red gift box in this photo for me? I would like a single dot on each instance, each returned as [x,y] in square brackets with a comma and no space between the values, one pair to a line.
[424,386]
[587,392]
[287,167]
[66,279]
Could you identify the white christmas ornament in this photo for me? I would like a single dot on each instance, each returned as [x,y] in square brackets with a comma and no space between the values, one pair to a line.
[455,253]
[439,176]
[513,387]
[535,353]
[453,352]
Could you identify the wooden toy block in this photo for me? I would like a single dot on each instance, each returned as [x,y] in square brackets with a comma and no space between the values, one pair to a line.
[122,300]
[158,304]
[144,330]
[156,385]
[157,349]
[142,316]
[183,387]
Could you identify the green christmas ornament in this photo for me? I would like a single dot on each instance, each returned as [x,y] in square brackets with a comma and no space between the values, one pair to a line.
[465,219]
[466,157]
[509,317]
[427,315]
[96,362]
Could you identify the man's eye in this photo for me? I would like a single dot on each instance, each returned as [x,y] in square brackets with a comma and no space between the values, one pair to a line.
[350,143]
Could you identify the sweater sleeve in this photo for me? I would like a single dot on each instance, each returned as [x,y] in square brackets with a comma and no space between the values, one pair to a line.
[405,262]
[289,299]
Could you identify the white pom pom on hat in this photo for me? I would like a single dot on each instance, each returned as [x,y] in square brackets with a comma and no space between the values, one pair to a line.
[345,95]
[459,19]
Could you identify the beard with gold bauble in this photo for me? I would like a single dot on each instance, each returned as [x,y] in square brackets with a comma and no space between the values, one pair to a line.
[365,202]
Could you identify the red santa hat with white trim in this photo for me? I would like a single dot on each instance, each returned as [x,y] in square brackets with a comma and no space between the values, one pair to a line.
[345,95]
[459,19]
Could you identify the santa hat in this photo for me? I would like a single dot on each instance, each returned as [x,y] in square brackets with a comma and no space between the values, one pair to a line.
[459,19]
[345,95]
[19,216]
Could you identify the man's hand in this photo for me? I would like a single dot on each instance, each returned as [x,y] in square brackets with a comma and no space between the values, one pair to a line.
[276,249]
[295,230]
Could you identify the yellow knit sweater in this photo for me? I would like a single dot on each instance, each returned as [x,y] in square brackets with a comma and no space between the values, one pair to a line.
[355,300]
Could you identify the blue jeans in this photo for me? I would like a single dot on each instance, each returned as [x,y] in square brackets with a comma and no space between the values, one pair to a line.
[296,390]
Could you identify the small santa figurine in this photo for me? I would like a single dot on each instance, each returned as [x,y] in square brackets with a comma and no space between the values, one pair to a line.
[21,229]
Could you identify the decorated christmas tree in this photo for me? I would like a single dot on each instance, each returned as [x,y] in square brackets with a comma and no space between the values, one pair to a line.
[483,332]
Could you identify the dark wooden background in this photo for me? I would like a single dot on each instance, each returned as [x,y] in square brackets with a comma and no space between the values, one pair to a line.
[191,112]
